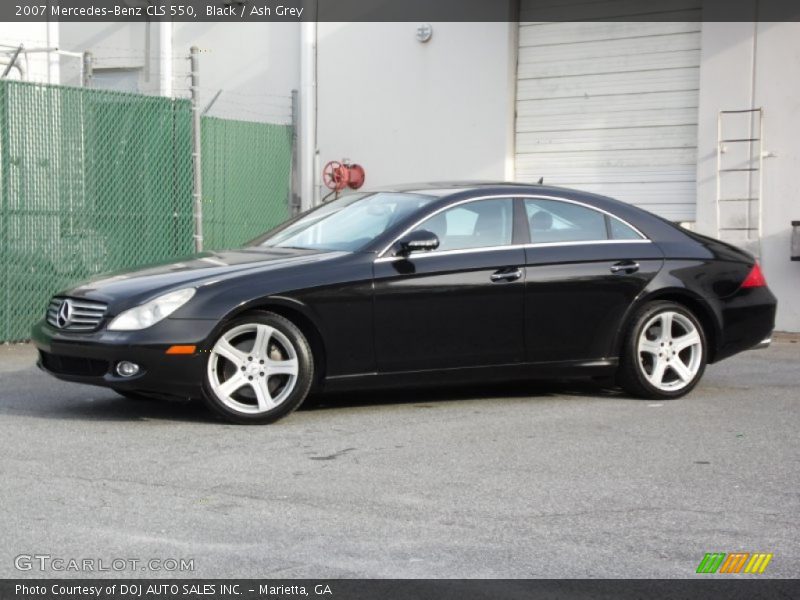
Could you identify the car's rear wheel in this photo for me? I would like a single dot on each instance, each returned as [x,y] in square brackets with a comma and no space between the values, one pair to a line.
[664,352]
[259,369]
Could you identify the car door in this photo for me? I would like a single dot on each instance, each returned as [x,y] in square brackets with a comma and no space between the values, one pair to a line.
[583,269]
[460,305]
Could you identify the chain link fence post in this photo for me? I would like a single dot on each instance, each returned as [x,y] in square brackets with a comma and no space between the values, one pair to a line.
[197,176]
[294,188]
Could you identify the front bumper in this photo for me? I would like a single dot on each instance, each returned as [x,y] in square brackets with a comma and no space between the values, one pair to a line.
[91,358]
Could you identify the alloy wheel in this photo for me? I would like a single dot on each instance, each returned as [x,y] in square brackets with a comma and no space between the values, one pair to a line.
[253,368]
[670,351]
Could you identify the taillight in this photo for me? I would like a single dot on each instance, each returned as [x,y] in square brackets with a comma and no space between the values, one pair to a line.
[755,278]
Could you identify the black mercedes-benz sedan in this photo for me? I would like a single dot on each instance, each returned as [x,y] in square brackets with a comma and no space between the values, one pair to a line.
[415,285]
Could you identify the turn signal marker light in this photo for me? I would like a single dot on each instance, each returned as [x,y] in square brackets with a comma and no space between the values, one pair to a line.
[755,278]
[181,349]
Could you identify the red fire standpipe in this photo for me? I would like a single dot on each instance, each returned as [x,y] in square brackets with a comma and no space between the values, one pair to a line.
[338,175]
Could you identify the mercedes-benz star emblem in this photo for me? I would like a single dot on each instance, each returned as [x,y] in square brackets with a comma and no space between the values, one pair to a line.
[64,316]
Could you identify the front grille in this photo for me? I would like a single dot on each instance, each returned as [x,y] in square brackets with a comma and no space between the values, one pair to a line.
[79,315]
[74,365]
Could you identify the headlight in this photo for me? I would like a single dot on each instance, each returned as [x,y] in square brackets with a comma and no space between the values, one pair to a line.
[151,312]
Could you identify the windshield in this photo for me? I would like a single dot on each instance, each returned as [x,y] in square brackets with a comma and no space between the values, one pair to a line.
[348,223]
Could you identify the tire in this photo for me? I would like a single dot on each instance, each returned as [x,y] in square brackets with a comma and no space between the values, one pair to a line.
[259,369]
[658,366]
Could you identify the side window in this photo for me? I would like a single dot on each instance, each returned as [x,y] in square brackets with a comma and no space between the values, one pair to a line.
[476,224]
[555,221]
[621,231]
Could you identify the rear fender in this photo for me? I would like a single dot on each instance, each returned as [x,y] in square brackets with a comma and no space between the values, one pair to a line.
[709,317]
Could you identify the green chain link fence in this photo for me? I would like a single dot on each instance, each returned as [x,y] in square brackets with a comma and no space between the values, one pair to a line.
[95,181]
[234,207]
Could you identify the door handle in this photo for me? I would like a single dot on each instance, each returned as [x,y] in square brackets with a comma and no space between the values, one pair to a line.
[626,266]
[506,275]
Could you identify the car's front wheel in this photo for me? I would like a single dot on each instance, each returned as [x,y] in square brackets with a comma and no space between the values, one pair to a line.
[664,352]
[259,369]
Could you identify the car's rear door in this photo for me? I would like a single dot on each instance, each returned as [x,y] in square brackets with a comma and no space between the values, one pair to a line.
[460,305]
[584,268]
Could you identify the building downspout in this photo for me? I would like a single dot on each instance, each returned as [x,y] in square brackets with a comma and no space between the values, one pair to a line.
[509,171]
[308,113]
[165,58]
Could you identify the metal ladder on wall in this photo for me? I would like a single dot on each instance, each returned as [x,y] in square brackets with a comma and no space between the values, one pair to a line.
[739,180]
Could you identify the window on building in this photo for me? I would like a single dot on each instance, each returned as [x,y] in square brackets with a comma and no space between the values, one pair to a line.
[116,79]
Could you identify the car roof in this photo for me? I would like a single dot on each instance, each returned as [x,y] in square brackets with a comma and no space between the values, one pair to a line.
[452,191]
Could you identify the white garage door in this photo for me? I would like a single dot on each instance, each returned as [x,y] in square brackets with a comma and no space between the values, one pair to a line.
[611,107]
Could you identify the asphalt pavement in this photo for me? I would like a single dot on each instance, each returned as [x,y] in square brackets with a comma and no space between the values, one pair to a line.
[540,480]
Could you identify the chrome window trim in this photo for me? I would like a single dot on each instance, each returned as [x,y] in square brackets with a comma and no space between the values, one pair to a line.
[586,243]
[427,253]
[594,208]
[644,238]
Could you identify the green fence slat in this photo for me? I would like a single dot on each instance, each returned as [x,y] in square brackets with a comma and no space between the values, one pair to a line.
[246,177]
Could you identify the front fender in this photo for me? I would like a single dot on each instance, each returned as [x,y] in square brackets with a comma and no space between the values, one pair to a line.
[335,303]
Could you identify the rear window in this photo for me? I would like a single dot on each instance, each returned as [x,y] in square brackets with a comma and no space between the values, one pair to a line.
[555,221]
[621,231]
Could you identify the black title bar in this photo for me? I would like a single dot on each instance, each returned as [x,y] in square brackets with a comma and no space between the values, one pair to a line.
[397,10]
[732,588]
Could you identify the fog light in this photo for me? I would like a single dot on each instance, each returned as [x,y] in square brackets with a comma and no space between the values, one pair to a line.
[126,368]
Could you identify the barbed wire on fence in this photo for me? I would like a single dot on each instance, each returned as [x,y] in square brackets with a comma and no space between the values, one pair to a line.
[271,108]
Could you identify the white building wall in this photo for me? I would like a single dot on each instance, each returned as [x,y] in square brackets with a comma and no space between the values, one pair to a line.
[746,64]
[256,65]
[38,66]
[778,91]
[411,111]
[121,46]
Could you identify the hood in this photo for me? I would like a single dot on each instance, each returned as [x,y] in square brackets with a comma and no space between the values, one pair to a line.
[138,285]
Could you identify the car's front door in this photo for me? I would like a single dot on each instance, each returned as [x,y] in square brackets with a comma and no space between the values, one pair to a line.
[460,305]
[584,268]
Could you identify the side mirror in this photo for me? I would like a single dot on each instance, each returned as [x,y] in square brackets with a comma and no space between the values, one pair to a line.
[420,240]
